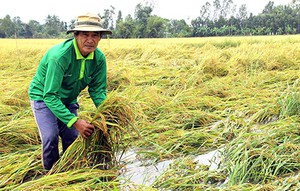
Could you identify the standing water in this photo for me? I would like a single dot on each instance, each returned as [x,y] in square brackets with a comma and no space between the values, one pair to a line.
[137,172]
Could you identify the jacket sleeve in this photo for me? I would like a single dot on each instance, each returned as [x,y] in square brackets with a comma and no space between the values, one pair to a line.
[53,81]
[97,87]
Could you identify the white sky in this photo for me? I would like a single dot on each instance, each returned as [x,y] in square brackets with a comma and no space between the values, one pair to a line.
[67,10]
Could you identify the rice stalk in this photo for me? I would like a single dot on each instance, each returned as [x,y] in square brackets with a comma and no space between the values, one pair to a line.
[231,126]
[19,166]
[264,115]
[114,128]
[80,179]
[17,133]
[259,157]
[289,101]
[175,143]
[185,174]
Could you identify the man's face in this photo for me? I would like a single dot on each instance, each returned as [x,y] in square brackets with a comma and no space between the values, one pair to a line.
[87,42]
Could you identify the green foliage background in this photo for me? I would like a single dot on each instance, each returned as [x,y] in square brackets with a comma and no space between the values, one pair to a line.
[216,18]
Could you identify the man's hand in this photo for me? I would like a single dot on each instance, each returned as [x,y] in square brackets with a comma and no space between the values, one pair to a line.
[84,128]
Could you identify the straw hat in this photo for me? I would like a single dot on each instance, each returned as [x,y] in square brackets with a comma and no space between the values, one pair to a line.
[89,22]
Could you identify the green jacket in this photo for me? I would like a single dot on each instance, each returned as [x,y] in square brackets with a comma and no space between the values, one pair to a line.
[63,73]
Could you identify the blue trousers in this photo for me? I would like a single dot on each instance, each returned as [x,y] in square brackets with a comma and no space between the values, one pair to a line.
[50,129]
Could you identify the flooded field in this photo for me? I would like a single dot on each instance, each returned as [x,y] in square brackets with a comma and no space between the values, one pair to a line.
[192,114]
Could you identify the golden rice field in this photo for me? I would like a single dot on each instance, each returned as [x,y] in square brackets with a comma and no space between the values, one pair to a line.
[168,100]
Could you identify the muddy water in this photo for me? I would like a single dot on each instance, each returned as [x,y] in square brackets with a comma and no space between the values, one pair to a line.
[136,172]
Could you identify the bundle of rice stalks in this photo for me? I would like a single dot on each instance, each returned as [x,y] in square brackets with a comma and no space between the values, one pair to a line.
[113,125]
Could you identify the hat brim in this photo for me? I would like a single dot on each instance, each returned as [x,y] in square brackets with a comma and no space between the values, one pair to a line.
[90,29]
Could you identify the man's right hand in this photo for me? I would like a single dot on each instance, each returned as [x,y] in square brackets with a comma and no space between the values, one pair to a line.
[84,128]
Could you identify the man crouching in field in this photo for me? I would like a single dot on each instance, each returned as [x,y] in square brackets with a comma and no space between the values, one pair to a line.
[63,72]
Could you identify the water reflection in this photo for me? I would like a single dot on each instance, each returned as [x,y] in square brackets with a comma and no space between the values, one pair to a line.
[138,172]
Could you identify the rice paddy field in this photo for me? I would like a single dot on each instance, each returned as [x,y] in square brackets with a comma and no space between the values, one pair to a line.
[169,100]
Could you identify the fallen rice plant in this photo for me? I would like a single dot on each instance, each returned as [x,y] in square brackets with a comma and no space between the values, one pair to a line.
[187,96]
[19,166]
[80,179]
[261,156]
[289,101]
[185,174]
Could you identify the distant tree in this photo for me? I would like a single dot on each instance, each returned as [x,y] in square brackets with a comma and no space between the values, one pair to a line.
[107,18]
[220,22]
[179,28]
[22,30]
[36,29]
[71,24]
[156,27]
[269,8]
[119,17]
[296,6]
[141,14]
[197,25]
[7,27]
[205,13]
[223,8]
[125,29]
[28,32]
[242,16]
[53,26]
[217,9]
[233,24]
[226,8]
[203,31]
[119,23]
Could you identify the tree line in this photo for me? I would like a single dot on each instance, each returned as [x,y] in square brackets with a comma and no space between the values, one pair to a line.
[217,18]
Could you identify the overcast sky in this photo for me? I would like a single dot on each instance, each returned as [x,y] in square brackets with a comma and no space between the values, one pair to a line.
[67,10]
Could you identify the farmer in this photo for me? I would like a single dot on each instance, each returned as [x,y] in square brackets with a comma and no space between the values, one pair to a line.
[63,72]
